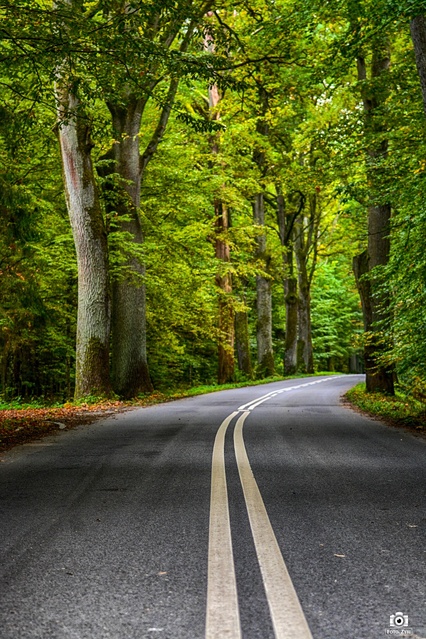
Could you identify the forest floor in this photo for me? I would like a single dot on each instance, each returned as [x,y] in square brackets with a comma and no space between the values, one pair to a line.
[24,424]
[21,425]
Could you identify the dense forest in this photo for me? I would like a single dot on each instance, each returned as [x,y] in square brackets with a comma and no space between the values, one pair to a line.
[196,192]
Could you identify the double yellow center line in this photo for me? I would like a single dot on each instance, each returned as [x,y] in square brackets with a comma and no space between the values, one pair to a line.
[223,619]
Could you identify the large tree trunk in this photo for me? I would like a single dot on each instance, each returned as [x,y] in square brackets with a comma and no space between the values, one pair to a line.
[129,359]
[265,353]
[285,226]
[93,322]
[418,35]
[378,377]
[129,356]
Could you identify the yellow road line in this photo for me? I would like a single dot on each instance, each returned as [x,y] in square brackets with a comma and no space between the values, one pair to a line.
[223,617]
[286,612]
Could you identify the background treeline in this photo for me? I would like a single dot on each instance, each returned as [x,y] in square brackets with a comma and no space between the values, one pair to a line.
[237,177]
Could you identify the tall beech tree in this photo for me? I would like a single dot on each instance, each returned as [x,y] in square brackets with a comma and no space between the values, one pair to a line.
[226,358]
[161,24]
[242,340]
[265,352]
[89,232]
[374,90]
[285,221]
[306,235]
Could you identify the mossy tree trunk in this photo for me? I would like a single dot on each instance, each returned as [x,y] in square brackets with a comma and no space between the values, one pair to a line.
[129,342]
[305,360]
[286,226]
[374,91]
[226,345]
[130,372]
[306,236]
[242,344]
[226,358]
[88,228]
[265,352]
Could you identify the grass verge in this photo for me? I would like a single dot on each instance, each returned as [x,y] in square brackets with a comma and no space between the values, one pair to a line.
[22,423]
[400,410]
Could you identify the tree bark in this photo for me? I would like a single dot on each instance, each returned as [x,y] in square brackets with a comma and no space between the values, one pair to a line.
[285,226]
[378,377]
[291,315]
[242,344]
[265,353]
[361,270]
[226,359]
[418,35]
[87,223]
[130,372]
[129,346]
[305,360]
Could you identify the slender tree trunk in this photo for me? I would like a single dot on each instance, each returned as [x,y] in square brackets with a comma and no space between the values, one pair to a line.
[87,223]
[5,367]
[242,344]
[291,313]
[418,35]
[304,344]
[265,353]
[378,377]
[226,367]
[129,358]
[306,234]
[361,270]
[285,224]
[226,357]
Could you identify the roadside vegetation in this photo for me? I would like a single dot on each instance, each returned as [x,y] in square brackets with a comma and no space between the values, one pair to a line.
[401,409]
[22,422]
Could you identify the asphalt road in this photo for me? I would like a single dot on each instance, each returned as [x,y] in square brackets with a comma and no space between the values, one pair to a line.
[114,530]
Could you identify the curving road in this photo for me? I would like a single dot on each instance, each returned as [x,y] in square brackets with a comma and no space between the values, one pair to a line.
[268,512]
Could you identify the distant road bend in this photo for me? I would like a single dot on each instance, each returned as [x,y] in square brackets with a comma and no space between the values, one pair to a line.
[267,512]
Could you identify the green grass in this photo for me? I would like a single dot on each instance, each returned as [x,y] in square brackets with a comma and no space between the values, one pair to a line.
[18,404]
[400,409]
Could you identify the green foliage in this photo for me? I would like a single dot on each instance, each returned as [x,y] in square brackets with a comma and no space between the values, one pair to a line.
[38,275]
[336,315]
